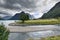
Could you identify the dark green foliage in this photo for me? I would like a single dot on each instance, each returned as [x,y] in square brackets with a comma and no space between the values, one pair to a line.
[53,13]
[3,33]
[24,16]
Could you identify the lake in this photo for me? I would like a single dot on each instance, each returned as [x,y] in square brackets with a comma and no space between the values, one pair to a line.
[24,36]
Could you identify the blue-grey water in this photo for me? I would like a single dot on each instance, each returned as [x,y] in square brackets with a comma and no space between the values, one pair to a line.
[24,36]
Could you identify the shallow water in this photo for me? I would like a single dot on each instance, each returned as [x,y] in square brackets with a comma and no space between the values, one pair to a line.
[38,34]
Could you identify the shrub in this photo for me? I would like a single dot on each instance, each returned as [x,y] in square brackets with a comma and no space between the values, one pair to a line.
[3,33]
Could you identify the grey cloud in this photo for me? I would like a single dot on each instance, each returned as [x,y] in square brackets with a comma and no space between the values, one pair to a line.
[29,4]
[4,13]
[9,5]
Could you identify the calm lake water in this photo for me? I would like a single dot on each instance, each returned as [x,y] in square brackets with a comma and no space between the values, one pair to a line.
[24,36]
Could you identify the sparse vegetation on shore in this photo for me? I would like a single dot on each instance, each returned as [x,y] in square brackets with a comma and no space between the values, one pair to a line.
[47,38]
[51,38]
[3,33]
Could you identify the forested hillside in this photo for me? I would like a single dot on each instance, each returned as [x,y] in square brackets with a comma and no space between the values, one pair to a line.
[53,13]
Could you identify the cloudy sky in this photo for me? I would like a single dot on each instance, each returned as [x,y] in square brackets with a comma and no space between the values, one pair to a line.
[34,7]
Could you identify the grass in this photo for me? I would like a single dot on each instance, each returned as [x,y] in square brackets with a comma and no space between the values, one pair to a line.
[51,38]
[41,22]
[47,38]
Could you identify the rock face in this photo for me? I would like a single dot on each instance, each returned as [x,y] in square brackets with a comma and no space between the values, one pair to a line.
[53,13]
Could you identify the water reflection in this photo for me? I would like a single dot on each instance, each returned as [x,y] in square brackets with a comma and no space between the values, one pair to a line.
[18,36]
[23,36]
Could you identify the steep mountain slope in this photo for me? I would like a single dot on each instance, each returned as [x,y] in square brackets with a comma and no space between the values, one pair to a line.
[53,13]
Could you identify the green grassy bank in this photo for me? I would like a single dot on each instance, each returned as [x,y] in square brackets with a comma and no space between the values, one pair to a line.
[51,38]
[41,22]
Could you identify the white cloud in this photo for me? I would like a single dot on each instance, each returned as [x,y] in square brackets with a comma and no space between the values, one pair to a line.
[2,2]
[17,5]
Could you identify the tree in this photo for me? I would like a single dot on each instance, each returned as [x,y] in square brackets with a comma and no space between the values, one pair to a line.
[24,16]
[3,33]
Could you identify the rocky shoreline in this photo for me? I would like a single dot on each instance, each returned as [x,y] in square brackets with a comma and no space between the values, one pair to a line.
[15,24]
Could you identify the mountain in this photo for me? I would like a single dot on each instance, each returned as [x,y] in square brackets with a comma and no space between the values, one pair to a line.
[1,19]
[4,16]
[7,17]
[17,16]
[53,13]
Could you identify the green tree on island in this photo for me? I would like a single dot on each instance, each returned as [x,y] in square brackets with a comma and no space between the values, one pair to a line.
[24,16]
[3,33]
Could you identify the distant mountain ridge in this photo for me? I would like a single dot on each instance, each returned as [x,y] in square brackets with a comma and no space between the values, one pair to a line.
[53,13]
[1,18]
[17,16]
[7,17]
[4,16]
